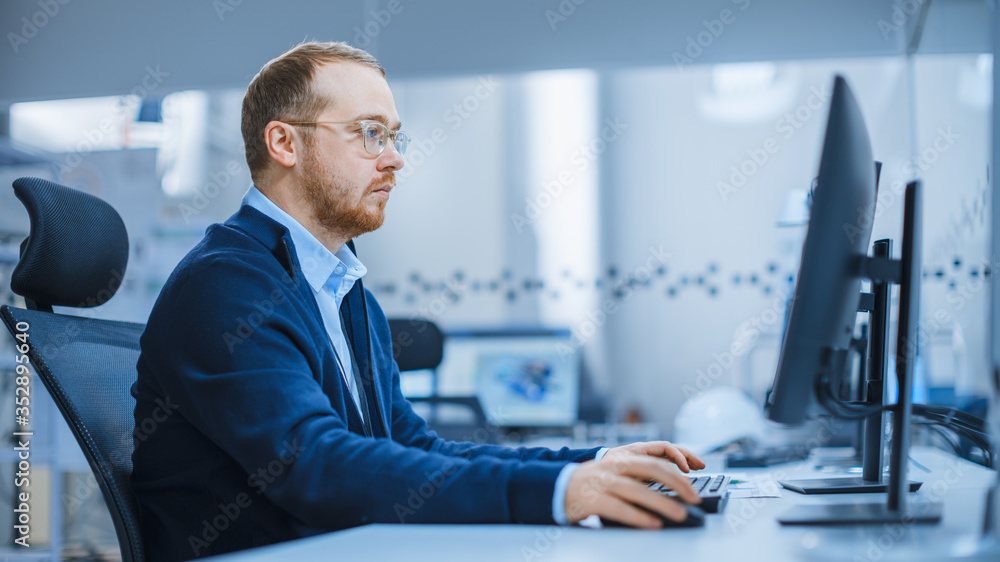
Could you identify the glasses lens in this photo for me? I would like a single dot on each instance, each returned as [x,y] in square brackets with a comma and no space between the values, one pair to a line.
[402,140]
[375,135]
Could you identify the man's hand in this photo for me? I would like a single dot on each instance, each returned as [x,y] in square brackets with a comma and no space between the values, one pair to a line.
[616,489]
[682,457]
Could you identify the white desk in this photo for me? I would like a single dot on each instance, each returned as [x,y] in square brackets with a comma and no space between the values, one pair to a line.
[745,531]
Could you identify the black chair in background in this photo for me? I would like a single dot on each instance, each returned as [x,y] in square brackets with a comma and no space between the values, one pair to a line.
[75,256]
[418,345]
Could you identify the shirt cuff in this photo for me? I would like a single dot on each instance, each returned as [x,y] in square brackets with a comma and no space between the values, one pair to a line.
[600,454]
[559,494]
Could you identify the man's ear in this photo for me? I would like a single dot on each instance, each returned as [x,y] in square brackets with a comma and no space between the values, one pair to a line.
[280,140]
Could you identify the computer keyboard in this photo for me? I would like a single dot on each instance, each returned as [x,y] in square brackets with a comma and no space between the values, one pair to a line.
[712,490]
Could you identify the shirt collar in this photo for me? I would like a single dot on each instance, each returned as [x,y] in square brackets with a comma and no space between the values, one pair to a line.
[323,269]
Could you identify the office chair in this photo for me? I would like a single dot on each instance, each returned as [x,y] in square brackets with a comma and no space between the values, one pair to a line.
[75,256]
[419,345]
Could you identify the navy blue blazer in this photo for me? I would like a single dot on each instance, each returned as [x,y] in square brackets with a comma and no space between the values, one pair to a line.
[246,434]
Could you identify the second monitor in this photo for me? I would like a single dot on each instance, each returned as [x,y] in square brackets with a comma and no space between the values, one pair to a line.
[522,377]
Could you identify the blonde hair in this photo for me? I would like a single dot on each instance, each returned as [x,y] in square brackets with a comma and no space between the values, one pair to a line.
[282,90]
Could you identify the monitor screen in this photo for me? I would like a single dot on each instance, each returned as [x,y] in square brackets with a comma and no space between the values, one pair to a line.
[523,378]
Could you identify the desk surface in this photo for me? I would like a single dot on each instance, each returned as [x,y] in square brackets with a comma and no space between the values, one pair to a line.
[747,530]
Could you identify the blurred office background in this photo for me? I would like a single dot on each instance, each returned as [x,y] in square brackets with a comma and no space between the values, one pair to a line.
[628,178]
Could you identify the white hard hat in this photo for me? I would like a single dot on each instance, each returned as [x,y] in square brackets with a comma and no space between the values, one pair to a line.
[716,417]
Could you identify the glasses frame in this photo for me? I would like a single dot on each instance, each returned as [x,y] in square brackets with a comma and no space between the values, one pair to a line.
[366,125]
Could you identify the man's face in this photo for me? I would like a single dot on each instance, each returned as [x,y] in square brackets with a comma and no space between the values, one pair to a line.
[347,188]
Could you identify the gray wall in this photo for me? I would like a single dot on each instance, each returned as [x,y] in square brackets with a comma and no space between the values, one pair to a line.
[107,47]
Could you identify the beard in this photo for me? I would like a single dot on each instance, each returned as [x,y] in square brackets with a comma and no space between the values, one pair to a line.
[334,203]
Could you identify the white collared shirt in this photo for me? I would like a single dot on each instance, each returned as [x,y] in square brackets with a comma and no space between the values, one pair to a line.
[331,276]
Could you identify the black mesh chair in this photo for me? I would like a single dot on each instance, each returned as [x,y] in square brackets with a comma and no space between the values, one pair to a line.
[418,345]
[75,256]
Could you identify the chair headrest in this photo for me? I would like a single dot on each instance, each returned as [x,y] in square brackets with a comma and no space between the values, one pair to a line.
[76,251]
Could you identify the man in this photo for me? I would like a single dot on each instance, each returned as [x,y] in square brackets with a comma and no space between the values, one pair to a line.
[268,368]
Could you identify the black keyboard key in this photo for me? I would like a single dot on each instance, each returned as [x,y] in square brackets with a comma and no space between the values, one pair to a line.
[711,490]
[716,484]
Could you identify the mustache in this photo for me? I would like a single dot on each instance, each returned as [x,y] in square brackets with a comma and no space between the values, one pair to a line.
[388,178]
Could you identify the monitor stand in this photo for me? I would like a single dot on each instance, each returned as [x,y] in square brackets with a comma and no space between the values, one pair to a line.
[846,485]
[859,513]
[871,480]
[906,272]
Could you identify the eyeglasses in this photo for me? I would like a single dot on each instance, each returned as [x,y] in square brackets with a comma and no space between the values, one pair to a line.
[375,135]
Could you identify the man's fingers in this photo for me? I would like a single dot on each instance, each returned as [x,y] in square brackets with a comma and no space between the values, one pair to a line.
[653,469]
[677,456]
[681,456]
[692,459]
[618,491]
[639,494]
[613,497]
[615,509]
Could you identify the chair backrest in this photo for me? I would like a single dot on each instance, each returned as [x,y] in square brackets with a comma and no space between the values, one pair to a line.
[416,344]
[88,367]
[75,255]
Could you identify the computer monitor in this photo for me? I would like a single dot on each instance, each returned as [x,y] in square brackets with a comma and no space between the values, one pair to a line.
[522,377]
[826,301]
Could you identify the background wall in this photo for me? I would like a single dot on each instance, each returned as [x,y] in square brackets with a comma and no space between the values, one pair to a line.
[582,164]
[649,134]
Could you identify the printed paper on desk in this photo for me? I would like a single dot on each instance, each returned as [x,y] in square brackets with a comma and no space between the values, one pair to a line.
[761,487]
